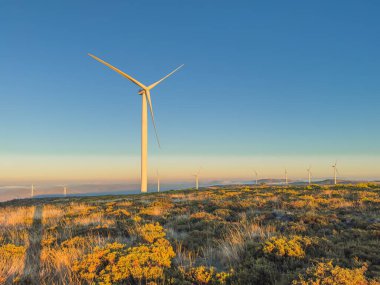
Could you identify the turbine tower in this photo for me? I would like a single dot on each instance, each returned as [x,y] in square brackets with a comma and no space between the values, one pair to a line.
[197,179]
[335,171]
[309,174]
[145,95]
[158,182]
[32,191]
[286,176]
[256,176]
[64,191]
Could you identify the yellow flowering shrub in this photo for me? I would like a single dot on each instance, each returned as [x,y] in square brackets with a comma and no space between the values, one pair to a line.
[151,232]
[117,264]
[203,275]
[145,262]
[328,274]
[120,213]
[287,247]
[11,251]
[75,242]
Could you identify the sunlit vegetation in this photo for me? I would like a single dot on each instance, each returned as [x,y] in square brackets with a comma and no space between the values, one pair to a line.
[218,235]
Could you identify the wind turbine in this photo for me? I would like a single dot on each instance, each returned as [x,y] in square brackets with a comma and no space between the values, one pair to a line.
[64,191]
[32,191]
[197,179]
[158,182]
[335,171]
[309,174]
[256,176]
[145,95]
[286,176]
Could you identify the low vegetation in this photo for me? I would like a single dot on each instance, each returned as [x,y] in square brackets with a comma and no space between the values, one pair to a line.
[219,235]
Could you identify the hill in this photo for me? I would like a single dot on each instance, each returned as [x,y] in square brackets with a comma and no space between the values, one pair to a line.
[218,235]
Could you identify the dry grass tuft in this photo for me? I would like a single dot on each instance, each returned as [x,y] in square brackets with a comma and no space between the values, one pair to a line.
[236,238]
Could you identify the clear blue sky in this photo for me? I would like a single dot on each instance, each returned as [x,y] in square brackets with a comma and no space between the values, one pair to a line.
[276,78]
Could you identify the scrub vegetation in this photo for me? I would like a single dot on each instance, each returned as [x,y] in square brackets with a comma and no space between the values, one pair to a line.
[217,235]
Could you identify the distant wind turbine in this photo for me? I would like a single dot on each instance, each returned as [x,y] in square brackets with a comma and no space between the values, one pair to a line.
[145,95]
[256,176]
[32,191]
[158,182]
[197,179]
[309,174]
[335,171]
[64,191]
[286,176]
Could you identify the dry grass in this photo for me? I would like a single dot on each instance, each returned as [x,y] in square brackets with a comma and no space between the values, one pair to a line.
[94,219]
[236,238]
[51,215]
[11,262]
[16,216]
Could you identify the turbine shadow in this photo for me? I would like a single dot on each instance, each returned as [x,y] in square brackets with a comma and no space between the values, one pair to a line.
[32,262]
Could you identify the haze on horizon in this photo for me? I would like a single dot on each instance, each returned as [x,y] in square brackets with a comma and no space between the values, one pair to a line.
[263,88]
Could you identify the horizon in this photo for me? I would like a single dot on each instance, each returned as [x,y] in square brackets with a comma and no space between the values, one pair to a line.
[124,169]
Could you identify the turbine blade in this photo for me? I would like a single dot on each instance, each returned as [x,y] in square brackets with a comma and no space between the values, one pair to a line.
[130,78]
[159,81]
[147,94]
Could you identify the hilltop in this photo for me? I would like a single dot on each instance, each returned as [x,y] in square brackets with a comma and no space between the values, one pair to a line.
[240,234]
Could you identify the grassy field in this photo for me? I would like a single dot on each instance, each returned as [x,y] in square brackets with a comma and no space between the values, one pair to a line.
[217,235]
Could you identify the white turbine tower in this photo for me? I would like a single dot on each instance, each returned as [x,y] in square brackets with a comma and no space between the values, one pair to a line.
[64,191]
[158,182]
[309,174]
[256,176]
[286,176]
[32,191]
[145,95]
[335,171]
[197,179]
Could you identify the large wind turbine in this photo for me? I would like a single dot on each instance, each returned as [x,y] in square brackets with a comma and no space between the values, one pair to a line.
[335,171]
[145,95]
[309,174]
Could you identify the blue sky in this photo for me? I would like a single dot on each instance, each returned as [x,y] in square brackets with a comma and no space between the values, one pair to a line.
[261,78]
